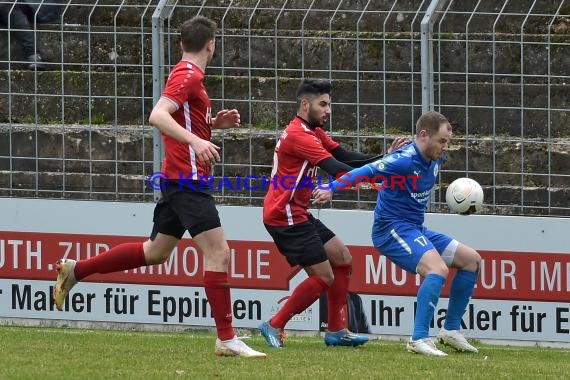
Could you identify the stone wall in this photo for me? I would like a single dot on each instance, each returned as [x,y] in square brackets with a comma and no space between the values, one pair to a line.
[80,130]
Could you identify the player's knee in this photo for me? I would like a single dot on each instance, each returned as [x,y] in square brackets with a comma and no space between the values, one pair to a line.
[157,256]
[339,256]
[219,256]
[224,256]
[328,278]
[442,270]
[474,262]
[435,268]
[346,256]
[432,264]
[158,250]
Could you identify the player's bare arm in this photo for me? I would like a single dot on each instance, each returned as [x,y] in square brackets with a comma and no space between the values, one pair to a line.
[226,119]
[161,118]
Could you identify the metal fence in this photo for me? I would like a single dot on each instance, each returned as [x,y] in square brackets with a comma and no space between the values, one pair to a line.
[499,70]
[79,128]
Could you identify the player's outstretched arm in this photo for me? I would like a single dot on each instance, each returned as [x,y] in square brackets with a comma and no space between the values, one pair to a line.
[347,181]
[356,159]
[352,158]
[334,167]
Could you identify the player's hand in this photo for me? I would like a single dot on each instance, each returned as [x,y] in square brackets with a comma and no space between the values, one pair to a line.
[226,119]
[322,196]
[206,151]
[398,143]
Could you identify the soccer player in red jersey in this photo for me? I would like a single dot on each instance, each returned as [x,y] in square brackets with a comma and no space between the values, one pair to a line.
[184,116]
[303,147]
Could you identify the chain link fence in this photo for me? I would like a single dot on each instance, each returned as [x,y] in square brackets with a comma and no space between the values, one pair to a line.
[498,70]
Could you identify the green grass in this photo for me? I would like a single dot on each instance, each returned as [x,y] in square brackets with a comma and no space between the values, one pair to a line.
[48,353]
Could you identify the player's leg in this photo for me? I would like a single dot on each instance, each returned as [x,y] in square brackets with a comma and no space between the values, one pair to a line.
[121,257]
[337,294]
[197,212]
[467,262]
[165,235]
[405,245]
[216,252]
[435,273]
[341,263]
[307,292]
[301,245]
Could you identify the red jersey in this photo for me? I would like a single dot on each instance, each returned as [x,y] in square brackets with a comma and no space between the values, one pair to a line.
[295,160]
[185,88]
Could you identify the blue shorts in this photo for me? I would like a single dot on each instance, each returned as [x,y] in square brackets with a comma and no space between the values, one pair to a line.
[405,243]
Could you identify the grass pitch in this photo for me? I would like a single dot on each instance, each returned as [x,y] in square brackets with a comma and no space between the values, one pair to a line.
[51,353]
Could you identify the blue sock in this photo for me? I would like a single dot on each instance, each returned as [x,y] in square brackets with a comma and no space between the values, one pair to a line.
[428,295]
[459,296]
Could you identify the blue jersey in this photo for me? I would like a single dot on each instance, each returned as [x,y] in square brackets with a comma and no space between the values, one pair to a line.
[408,179]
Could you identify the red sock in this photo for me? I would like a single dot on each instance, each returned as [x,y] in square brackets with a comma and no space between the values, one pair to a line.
[218,294]
[122,257]
[302,297]
[336,297]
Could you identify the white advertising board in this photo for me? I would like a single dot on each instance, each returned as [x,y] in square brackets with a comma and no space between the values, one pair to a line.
[522,294]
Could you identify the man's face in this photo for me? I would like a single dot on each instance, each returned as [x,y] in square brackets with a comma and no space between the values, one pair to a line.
[319,109]
[437,144]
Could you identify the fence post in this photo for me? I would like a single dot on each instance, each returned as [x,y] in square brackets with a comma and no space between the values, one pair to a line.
[427,65]
[427,52]
[158,80]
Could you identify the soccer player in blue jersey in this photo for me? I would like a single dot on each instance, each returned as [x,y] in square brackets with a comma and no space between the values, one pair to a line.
[408,175]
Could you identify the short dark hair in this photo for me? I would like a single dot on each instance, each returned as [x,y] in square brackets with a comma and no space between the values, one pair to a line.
[430,122]
[309,88]
[196,32]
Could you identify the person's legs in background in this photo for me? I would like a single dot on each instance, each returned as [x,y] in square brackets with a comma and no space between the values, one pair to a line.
[20,27]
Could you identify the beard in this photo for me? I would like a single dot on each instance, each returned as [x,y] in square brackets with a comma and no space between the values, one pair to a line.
[314,119]
[434,154]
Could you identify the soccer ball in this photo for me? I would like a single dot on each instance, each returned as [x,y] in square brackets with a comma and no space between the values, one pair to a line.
[464,196]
